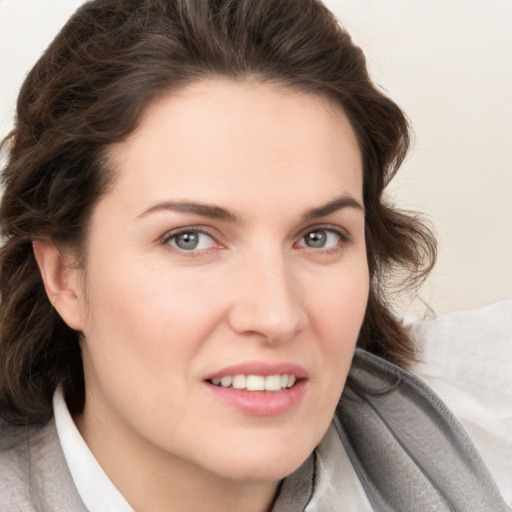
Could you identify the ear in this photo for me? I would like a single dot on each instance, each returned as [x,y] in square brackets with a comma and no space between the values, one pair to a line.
[61,282]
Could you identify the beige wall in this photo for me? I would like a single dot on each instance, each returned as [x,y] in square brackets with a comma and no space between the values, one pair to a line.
[448,63]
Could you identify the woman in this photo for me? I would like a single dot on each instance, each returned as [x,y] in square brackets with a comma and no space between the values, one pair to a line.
[195,242]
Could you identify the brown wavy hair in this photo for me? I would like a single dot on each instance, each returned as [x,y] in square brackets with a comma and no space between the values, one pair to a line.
[88,91]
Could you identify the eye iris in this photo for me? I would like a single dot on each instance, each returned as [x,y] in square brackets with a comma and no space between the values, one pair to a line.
[316,239]
[187,241]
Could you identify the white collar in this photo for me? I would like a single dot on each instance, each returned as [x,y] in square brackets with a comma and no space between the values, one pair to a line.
[336,479]
[98,493]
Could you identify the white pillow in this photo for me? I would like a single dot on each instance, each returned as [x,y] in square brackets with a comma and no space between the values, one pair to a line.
[466,357]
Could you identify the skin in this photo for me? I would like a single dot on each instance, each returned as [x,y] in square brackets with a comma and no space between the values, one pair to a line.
[158,319]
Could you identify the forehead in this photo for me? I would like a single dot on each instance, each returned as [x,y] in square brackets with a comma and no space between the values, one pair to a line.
[226,141]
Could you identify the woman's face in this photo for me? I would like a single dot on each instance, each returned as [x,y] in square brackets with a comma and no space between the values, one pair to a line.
[228,255]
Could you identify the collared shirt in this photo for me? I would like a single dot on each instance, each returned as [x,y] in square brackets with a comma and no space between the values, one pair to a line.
[455,363]
[335,477]
[96,489]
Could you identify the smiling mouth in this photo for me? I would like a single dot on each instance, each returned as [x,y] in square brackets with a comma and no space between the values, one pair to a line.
[256,382]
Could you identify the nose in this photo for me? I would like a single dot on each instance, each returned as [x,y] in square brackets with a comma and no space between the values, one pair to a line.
[267,299]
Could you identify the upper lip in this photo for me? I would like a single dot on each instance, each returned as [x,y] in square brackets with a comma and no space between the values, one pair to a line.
[260,368]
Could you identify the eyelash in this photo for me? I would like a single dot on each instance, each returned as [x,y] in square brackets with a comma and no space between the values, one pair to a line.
[345,238]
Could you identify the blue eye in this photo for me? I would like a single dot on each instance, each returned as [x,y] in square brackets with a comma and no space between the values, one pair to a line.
[191,241]
[321,239]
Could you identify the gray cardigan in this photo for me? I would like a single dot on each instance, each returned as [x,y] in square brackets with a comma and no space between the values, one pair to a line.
[408,450]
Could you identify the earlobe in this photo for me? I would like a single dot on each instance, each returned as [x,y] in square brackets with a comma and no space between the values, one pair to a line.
[61,282]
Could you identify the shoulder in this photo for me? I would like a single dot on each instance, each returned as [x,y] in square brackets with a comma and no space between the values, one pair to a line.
[14,466]
[33,471]
[400,436]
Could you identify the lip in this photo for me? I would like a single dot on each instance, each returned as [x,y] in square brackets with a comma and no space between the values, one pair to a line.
[260,403]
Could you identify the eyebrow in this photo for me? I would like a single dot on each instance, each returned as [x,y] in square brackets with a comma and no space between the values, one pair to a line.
[345,201]
[202,209]
[219,213]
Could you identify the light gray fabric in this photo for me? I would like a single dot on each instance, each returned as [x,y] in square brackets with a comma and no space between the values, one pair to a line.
[34,476]
[408,450]
[96,489]
[296,490]
[336,480]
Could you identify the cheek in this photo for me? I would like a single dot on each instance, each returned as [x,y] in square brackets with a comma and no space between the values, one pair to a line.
[337,313]
[148,320]
[143,332]
[339,302]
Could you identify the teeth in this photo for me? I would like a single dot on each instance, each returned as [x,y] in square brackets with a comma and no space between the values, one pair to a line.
[239,381]
[273,383]
[225,382]
[256,382]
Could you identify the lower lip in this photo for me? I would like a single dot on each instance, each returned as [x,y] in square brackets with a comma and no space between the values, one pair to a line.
[261,403]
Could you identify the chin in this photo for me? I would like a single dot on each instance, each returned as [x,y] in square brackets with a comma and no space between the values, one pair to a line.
[260,462]
[267,471]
